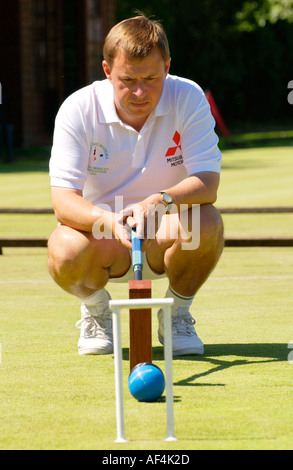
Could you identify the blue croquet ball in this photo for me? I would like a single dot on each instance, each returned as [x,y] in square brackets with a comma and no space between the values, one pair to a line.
[146,382]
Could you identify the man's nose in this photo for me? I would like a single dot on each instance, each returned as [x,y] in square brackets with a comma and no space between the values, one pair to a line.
[139,90]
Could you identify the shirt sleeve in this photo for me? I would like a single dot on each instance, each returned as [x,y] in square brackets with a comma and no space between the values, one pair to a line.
[70,151]
[199,140]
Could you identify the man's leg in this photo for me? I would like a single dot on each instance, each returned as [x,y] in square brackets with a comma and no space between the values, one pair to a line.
[82,266]
[187,271]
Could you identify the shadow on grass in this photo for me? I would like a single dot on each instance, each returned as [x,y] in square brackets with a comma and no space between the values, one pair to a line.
[225,356]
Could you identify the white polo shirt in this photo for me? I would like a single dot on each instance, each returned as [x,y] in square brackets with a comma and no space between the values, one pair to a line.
[97,153]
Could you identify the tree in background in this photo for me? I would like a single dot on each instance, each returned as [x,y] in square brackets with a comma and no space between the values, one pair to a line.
[257,14]
[240,50]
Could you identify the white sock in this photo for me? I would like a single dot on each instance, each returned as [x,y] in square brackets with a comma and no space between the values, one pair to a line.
[100,295]
[180,301]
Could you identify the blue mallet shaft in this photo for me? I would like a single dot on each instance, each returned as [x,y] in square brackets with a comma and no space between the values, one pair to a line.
[137,260]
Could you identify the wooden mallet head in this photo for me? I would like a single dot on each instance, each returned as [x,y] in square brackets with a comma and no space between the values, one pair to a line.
[140,320]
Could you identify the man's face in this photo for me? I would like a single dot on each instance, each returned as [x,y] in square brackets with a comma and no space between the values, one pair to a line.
[138,85]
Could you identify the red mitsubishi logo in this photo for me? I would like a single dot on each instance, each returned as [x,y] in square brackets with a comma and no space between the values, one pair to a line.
[172,150]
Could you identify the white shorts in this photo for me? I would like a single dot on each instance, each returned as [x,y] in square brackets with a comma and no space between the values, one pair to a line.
[147,273]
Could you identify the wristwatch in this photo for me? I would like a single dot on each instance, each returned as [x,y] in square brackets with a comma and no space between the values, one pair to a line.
[167,200]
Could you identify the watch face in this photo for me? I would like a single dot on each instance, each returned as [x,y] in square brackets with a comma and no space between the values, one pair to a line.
[167,198]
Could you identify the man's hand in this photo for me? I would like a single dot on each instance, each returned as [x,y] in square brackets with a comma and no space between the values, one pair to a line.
[133,216]
[143,216]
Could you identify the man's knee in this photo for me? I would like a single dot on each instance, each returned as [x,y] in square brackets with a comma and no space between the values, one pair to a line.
[211,228]
[201,224]
[64,248]
[210,219]
[75,255]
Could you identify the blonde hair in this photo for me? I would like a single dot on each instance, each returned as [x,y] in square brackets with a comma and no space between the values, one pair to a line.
[136,37]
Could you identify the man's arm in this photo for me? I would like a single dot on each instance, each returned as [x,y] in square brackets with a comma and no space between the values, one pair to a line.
[200,188]
[72,209]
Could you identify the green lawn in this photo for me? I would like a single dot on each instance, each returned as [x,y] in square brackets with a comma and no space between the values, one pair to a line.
[257,177]
[237,396]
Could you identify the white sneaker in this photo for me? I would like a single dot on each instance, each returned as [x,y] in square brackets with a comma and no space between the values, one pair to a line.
[95,326]
[184,338]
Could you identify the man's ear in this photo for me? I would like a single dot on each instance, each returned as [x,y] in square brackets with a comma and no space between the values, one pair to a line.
[167,66]
[106,68]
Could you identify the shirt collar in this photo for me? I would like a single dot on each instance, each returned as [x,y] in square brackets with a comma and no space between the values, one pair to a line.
[164,104]
[107,111]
